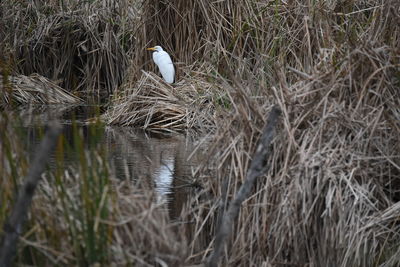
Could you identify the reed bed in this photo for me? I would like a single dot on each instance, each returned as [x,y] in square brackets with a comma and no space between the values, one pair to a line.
[84,46]
[330,197]
[34,89]
[150,103]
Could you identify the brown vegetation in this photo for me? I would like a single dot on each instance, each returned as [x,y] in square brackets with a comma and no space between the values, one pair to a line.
[152,104]
[330,197]
[34,89]
[333,69]
[82,45]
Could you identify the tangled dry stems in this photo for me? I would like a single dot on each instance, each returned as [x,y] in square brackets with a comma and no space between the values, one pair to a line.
[136,229]
[150,103]
[330,197]
[34,89]
[82,45]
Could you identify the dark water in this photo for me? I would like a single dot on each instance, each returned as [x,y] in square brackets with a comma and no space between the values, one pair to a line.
[162,162]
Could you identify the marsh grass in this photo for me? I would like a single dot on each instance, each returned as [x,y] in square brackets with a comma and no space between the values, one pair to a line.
[81,45]
[330,196]
[34,89]
[333,68]
[152,104]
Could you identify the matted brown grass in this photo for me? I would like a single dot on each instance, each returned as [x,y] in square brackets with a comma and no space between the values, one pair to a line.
[150,103]
[84,46]
[34,89]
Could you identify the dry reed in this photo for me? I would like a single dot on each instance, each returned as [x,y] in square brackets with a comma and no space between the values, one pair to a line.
[333,67]
[34,89]
[82,45]
[152,104]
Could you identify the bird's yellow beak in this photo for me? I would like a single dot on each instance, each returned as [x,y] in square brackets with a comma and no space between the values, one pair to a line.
[151,48]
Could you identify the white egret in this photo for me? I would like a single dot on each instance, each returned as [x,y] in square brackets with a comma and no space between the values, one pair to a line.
[164,63]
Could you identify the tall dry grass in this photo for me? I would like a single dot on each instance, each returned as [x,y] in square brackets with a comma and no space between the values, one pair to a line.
[33,89]
[330,198]
[333,67]
[84,46]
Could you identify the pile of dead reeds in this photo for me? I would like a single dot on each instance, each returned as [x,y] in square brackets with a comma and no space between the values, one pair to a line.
[34,89]
[84,46]
[150,103]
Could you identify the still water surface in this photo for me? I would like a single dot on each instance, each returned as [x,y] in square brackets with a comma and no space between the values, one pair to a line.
[165,162]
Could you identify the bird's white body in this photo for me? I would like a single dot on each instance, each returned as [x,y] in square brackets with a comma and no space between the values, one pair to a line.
[164,63]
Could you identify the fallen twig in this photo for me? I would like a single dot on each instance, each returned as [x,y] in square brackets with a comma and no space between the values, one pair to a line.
[258,167]
[13,227]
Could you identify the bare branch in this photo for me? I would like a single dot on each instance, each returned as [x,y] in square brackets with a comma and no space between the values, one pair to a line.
[257,167]
[13,227]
